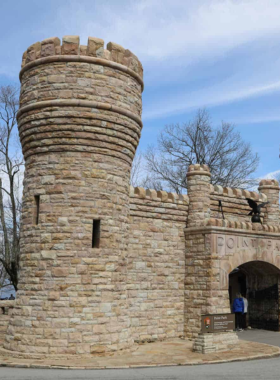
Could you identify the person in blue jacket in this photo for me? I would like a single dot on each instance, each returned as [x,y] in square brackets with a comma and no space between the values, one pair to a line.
[238,309]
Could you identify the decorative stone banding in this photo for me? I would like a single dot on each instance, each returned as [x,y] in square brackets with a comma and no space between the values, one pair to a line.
[69,58]
[78,103]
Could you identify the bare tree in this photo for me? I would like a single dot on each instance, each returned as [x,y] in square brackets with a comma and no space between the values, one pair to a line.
[11,162]
[138,176]
[230,159]
[149,182]
[136,170]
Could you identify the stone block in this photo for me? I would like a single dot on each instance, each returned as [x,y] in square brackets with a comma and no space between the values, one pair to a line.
[95,47]
[60,272]
[70,45]
[48,46]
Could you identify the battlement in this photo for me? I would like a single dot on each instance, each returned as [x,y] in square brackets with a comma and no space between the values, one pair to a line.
[269,184]
[51,50]
[231,203]
[238,193]
[228,207]
[198,169]
[161,196]
[215,222]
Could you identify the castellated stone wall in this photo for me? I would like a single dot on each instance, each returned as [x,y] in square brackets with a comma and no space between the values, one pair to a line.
[162,260]
[216,244]
[235,206]
[156,264]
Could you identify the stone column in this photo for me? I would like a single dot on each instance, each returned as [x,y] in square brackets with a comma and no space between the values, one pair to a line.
[270,187]
[198,186]
[198,252]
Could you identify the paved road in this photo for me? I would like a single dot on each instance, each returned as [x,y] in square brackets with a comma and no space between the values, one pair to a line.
[268,369]
[261,336]
[256,369]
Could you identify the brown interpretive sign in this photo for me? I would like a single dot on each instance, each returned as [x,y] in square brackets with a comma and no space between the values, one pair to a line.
[214,323]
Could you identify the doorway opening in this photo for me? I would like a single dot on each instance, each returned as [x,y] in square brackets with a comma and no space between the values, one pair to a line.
[258,281]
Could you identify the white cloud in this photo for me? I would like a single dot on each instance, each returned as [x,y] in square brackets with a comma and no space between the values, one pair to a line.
[163,29]
[172,37]
[175,40]
[220,94]
[272,175]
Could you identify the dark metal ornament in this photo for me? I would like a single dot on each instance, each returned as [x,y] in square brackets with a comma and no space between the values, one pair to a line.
[256,219]
[221,207]
[256,210]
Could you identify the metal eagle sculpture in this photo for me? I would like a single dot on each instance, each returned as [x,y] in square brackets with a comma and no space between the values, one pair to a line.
[256,210]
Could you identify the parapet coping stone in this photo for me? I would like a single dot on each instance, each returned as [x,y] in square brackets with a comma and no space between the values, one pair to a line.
[257,229]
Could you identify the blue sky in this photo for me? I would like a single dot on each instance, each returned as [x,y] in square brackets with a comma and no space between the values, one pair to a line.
[219,54]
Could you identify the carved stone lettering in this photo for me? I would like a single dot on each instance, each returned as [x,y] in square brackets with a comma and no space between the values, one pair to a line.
[245,243]
[230,244]
[254,243]
[221,245]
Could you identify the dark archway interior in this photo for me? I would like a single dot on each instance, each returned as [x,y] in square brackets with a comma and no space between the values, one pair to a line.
[258,281]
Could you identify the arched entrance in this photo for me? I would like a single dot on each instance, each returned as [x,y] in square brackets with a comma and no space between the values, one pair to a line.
[259,282]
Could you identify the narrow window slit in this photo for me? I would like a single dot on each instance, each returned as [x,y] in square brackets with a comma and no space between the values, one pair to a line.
[95,233]
[37,209]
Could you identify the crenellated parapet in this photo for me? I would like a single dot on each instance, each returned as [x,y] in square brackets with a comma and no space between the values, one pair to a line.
[80,98]
[233,203]
[153,204]
[228,207]
[232,192]
[51,50]
[158,195]
[214,222]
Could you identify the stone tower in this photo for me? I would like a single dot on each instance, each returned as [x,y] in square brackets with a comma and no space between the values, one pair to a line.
[79,123]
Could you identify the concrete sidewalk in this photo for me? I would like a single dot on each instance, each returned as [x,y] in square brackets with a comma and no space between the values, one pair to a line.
[168,353]
[261,336]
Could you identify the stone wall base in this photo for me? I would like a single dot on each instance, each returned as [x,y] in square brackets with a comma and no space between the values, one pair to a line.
[205,343]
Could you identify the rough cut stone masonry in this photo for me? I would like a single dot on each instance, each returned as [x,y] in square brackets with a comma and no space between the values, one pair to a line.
[163,259]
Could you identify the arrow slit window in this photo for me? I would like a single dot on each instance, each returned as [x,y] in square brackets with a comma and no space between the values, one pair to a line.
[96,233]
[37,209]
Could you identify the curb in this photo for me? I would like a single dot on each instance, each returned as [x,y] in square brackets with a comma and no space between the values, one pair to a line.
[66,367]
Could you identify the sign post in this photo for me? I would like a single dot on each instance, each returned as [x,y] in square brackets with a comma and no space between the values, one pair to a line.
[216,323]
[216,333]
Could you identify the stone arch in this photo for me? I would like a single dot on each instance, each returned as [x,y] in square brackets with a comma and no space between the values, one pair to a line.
[238,259]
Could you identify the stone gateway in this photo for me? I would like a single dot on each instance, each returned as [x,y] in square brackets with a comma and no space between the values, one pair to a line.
[103,265]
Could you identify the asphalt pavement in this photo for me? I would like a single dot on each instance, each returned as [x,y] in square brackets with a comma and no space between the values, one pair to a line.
[261,336]
[268,369]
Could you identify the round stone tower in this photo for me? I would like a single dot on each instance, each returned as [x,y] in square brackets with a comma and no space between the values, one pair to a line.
[79,123]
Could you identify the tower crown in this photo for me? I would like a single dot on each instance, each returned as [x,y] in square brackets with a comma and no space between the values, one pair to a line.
[51,50]
[87,98]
